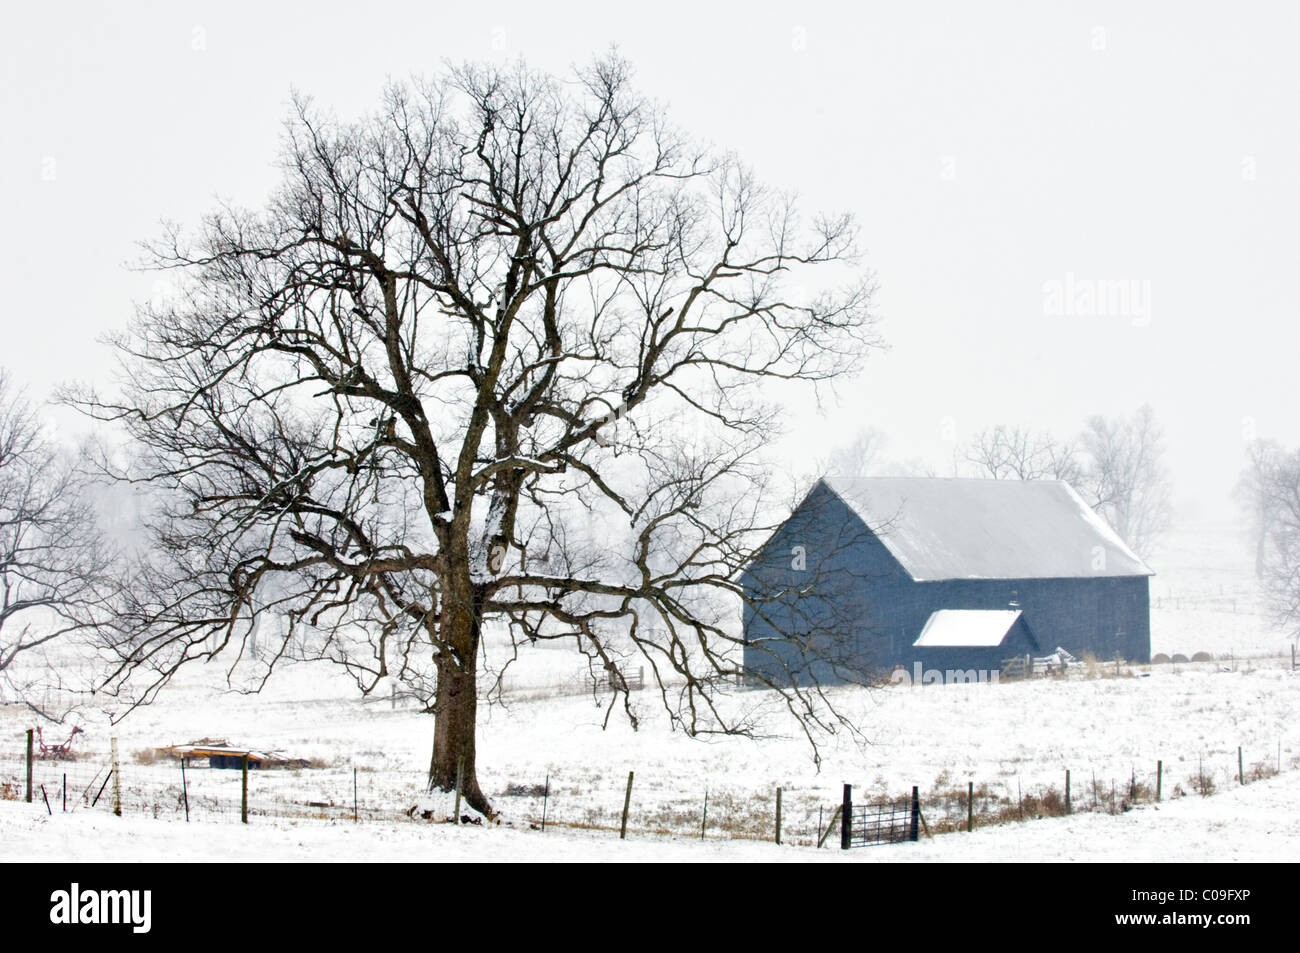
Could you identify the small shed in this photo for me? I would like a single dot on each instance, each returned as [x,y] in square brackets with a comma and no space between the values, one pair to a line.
[961,640]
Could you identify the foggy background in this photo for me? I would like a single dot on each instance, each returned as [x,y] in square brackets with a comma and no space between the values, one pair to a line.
[994,157]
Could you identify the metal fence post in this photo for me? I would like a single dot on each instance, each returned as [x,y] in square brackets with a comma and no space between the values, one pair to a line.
[846,818]
[914,833]
[627,804]
[778,817]
[29,766]
[243,793]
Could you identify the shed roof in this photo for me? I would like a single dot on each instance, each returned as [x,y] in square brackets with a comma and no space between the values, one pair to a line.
[967,628]
[958,528]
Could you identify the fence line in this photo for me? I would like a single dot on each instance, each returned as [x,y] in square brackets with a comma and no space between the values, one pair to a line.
[86,782]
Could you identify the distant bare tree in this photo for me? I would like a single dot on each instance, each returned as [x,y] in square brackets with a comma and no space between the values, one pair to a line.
[1278,489]
[53,560]
[1014,453]
[1255,492]
[1124,478]
[497,352]
[1116,465]
[862,456]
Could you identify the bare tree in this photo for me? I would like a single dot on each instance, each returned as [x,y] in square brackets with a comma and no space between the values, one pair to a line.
[1014,453]
[1255,491]
[863,455]
[1116,464]
[495,352]
[1125,478]
[1276,478]
[53,560]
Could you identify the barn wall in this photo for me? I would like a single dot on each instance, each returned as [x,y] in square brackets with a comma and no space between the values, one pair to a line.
[1101,615]
[822,623]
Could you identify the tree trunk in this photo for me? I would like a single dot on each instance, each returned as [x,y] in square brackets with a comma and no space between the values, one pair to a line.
[455,715]
[455,709]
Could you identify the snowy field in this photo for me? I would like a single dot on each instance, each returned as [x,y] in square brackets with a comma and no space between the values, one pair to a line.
[1257,823]
[1014,741]
[1204,597]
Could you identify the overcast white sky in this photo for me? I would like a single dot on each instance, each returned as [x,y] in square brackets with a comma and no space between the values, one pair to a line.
[987,150]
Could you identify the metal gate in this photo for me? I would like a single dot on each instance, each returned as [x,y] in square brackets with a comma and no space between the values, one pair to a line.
[866,825]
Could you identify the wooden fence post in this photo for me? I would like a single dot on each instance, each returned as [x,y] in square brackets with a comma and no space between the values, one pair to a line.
[704,824]
[460,781]
[117,780]
[822,835]
[627,805]
[185,790]
[1067,791]
[546,796]
[29,766]
[778,817]
[846,818]
[970,807]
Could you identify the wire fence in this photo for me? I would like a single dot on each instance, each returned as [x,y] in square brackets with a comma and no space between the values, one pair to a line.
[597,800]
[197,792]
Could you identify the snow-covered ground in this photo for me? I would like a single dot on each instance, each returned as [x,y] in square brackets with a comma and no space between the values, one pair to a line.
[1256,823]
[1014,741]
[1204,596]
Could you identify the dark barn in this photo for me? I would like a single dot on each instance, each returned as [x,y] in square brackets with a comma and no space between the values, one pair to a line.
[871,574]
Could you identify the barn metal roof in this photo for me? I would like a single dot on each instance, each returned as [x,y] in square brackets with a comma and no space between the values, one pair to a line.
[961,528]
[967,628]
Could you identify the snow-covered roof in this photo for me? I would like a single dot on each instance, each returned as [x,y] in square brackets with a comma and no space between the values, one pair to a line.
[959,528]
[967,628]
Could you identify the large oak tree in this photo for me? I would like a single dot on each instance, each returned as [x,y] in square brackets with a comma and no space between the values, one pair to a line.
[509,348]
